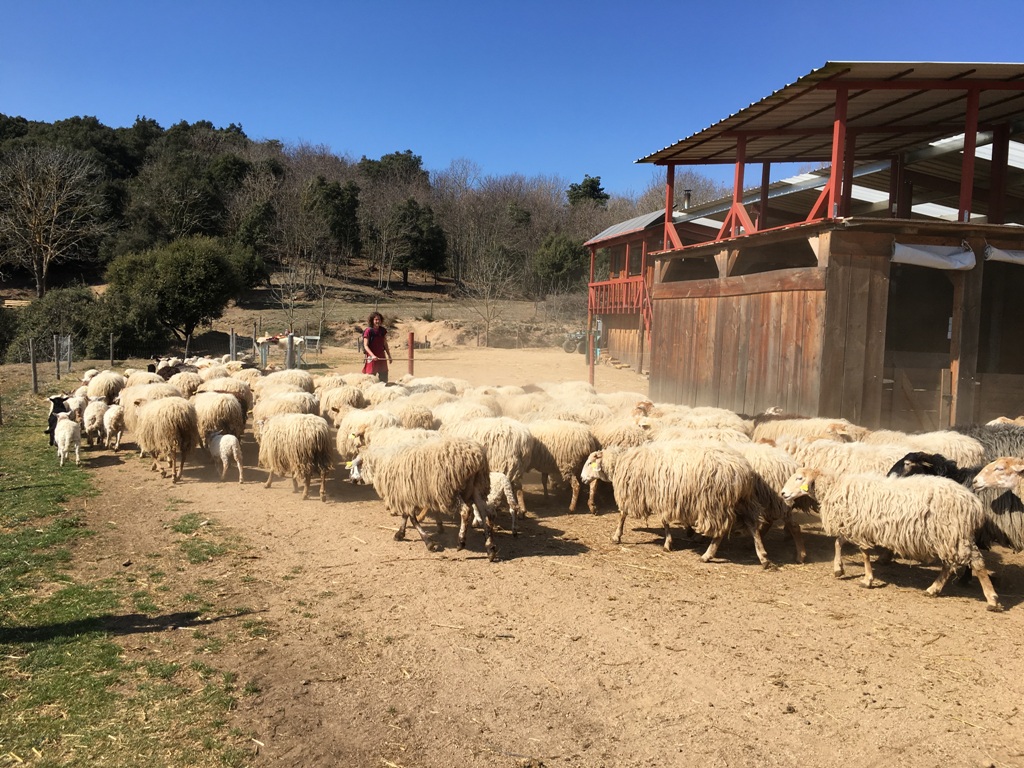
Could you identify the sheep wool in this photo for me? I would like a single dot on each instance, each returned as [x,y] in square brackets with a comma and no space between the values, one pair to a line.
[560,448]
[223,450]
[168,428]
[113,426]
[67,435]
[919,517]
[297,445]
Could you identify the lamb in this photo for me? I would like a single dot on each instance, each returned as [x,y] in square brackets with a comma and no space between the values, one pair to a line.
[92,420]
[700,485]
[67,434]
[502,494]
[167,428]
[439,476]
[57,405]
[224,449]
[296,445]
[560,448]
[921,518]
[113,426]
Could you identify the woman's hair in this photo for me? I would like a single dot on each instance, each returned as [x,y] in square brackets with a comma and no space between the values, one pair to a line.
[369,320]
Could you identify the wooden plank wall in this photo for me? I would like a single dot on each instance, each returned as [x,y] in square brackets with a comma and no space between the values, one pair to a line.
[622,338]
[857,288]
[744,343]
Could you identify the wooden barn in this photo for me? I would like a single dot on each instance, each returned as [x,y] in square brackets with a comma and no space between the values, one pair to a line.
[881,289]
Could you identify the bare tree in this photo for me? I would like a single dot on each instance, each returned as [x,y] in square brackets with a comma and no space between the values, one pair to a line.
[490,282]
[50,209]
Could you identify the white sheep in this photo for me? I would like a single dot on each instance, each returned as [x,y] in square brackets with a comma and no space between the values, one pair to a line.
[355,428]
[698,485]
[92,421]
[962,449]
[281,403]
[219,412]
[223,449]
[167,428]
[296,445]
[560,448]
[919,517]
[106,384]
[443,476]
[67,434]
[775,427]
[509,446]
[113,426]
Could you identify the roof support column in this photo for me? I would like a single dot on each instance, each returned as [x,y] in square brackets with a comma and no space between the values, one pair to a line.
[970,146]
[847,191]
[997,185]
[737,184]
[838,153]
[762,208]
[671,236]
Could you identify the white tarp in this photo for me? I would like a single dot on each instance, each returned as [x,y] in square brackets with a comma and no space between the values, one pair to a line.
[934,256]
[998,254]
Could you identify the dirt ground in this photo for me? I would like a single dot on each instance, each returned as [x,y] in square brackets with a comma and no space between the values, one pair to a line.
[570,650]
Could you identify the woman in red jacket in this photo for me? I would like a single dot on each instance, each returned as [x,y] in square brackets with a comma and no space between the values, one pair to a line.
[375,345]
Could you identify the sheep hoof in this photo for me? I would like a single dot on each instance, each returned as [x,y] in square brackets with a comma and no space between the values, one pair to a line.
[870,584]
[461,545]
[768,565]
[492,553]
[838,573]
[433,546]
[399,535]
[996,607]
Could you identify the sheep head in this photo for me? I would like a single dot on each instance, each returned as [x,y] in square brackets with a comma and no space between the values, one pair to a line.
[800,483]
[593,469]
[1004,472]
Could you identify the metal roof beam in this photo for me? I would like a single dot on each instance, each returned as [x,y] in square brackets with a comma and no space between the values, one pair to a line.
[910,84]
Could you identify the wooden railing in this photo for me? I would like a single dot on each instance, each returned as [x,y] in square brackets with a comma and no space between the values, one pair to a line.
[624,296]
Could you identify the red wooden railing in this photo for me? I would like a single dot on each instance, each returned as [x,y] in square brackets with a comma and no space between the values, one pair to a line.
[624,296]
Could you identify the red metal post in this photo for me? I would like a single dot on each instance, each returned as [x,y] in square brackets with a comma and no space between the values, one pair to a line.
[838,153]
[670,203]
[412,346]
[847,192]
[970,147]
[737,184]
[762,209]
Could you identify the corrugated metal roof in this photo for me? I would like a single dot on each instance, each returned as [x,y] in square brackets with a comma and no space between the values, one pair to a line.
[635,224]
[794,124]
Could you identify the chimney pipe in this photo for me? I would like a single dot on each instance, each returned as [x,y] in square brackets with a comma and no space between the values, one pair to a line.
[686,198]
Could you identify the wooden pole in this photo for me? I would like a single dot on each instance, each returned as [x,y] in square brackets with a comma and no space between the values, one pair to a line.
[56,354]
[289,349]
[111,351]
[233,345]
[32,363]
[412,345]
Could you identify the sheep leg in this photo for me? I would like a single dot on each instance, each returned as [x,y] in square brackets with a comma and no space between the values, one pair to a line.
[617,536]
[712,549]
[78,460]
[590,497]
[222,467]
[869,576]
[518,485]
[940,581]
[323,486]
[575,492]
[544,482]
[180,466]
[400,533]
[295,485]
[668,538]
[978,566]
[238,463]
[793,529]
[270,479]
[432,546]
[305,486]
[837,561]
[465,513]
[762,553]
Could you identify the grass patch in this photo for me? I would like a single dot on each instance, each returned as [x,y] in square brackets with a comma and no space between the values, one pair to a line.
[68,694]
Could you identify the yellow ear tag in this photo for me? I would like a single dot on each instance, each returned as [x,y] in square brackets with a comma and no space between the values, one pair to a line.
[805,488]
[593,465]
[348,465]
[351,435]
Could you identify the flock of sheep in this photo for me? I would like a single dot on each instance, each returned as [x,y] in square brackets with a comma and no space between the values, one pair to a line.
[441,447]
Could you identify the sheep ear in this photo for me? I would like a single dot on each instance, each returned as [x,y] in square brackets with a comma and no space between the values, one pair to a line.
[1017,466]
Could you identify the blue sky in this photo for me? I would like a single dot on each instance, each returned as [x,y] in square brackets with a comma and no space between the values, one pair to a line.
[537,88]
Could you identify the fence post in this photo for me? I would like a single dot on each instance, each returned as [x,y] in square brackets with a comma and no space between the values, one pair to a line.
[188,340]
[69,353]
[32,362]
[111,351]
[233,347]
[289,350]
[56,354]
[412,346]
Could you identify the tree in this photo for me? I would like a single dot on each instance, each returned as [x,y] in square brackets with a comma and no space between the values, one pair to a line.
[560,263]
[422,243]
[588,191]
[189,281]
[50,209]
[490,281]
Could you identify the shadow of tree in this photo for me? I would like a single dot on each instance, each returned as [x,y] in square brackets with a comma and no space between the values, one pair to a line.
[124,624]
